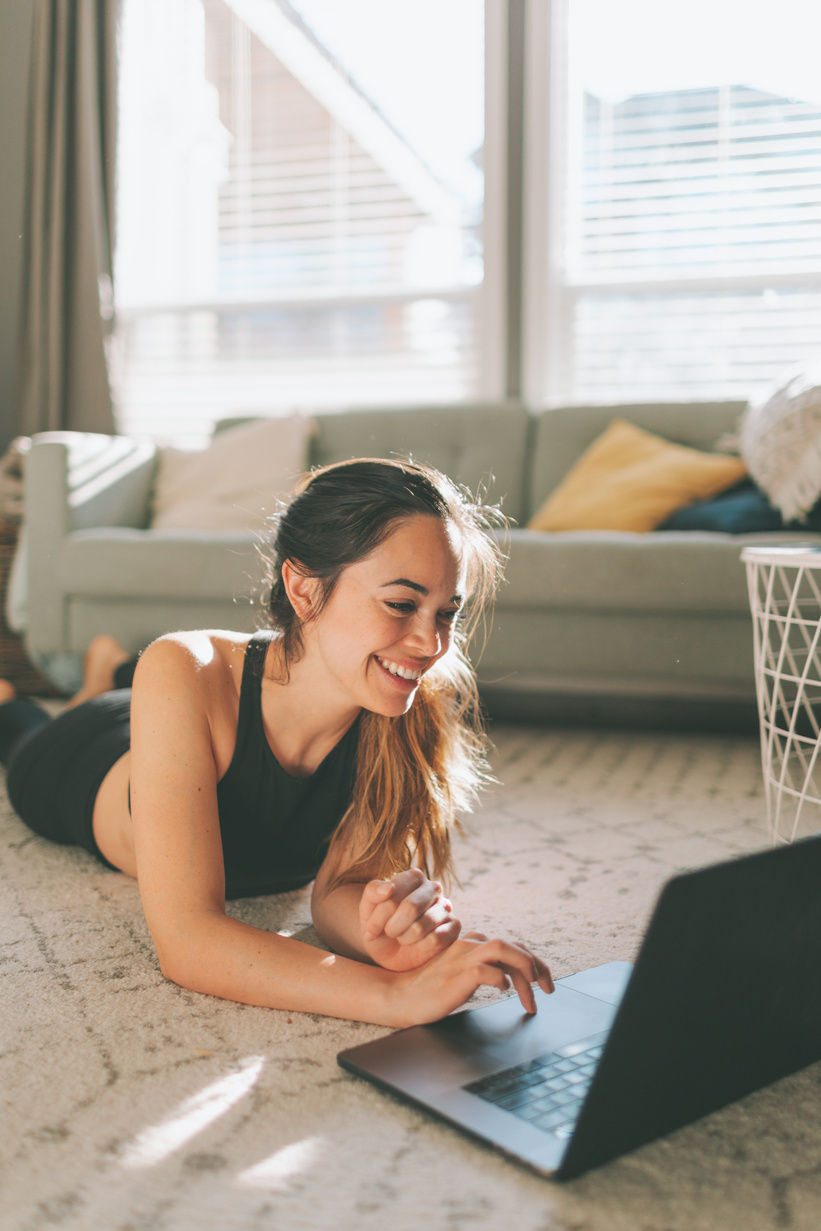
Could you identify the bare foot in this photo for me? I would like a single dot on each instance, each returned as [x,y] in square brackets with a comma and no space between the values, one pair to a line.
[7,692]
[103,656]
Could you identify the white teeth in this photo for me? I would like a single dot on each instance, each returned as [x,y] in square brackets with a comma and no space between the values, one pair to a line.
[404,672]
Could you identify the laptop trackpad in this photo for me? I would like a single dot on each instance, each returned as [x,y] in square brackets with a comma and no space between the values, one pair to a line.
[608,982]
[502,1033]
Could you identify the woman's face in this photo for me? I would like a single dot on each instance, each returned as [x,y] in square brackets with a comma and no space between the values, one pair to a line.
[390,618]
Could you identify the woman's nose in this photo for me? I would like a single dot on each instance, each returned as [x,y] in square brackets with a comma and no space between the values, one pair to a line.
[427,637]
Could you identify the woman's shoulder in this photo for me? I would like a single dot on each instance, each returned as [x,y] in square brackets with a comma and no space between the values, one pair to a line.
[186,695]
[201,657]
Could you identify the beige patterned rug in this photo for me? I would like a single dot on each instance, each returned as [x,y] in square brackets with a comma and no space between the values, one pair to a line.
[129,1103]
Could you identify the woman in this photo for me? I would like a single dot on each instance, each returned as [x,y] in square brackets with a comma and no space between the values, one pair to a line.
[335,747]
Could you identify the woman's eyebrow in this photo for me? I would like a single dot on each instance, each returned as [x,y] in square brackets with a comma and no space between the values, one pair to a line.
[414,585]
[403,581]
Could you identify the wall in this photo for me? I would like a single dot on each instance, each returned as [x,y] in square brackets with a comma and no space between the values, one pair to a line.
[15,52]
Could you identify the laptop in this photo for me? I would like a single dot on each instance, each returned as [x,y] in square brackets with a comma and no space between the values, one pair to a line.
[724,998]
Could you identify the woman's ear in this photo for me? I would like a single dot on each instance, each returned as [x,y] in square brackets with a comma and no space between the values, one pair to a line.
[302,590]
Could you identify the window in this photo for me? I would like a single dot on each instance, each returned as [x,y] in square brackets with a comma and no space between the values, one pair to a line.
[300,207]
[312,214]
[679,205]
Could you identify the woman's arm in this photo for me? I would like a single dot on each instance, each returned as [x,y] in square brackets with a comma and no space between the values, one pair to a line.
[181,693]
[224,957]
[180,697]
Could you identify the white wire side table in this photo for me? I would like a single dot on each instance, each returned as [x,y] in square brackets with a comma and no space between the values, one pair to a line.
[785,600]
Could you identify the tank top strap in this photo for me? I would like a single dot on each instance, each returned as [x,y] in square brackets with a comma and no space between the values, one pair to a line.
[250,691]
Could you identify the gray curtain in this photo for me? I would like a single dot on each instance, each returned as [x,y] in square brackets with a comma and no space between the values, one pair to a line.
[68,235]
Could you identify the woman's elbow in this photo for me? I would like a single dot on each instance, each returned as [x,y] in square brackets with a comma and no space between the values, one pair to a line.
[174,967]
[182,961]
[319,913]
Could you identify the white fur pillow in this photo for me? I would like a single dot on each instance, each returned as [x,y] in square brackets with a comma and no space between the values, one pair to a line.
[780,440]
[234,482]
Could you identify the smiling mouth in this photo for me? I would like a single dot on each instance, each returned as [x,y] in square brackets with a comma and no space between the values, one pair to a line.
[400,672]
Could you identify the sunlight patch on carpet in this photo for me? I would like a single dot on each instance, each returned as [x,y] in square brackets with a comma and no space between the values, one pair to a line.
[196,1113]
[275,1172]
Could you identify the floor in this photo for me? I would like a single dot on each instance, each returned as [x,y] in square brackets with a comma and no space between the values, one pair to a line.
[130,1103]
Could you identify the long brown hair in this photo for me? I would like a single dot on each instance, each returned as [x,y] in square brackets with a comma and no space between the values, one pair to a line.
[414,772]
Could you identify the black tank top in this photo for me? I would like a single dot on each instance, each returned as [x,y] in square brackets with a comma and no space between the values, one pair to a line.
[275,828]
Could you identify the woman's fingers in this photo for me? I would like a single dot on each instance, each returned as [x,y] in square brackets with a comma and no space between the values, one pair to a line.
[541,971]
[518,963]
[405,909]
[414,902]
[405,882]
[543,976]
[522,987]
[375,907]
[435,915]
[440,938]
[376,892]
[492,976]
[440,985]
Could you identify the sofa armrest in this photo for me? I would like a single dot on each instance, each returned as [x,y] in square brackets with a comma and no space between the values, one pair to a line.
[75,481]
[91,480]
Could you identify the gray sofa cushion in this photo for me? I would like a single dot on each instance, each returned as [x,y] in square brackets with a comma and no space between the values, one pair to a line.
[610,570]
[138,621]
[168,564]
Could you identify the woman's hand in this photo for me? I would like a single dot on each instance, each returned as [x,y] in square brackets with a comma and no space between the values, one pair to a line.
[406,921]
[451,978]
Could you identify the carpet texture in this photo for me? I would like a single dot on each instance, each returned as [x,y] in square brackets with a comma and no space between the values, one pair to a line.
[129,1103]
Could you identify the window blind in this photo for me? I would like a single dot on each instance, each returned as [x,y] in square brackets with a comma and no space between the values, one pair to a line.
[699,183]
[284,243]
[692,254]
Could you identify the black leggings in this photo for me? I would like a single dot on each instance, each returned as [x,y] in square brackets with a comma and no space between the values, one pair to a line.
[56,766]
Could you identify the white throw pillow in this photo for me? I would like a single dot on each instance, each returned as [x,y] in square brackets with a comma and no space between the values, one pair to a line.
[235,482]
[780,440]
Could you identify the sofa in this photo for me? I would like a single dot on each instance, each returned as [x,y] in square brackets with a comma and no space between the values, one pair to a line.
[590,626]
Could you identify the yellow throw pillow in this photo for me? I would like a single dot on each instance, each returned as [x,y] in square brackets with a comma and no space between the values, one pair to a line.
[629,479]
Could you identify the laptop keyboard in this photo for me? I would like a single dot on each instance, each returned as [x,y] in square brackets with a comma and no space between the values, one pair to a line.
[547,1091]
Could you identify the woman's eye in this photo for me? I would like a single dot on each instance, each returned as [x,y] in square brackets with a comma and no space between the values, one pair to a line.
[407,608]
